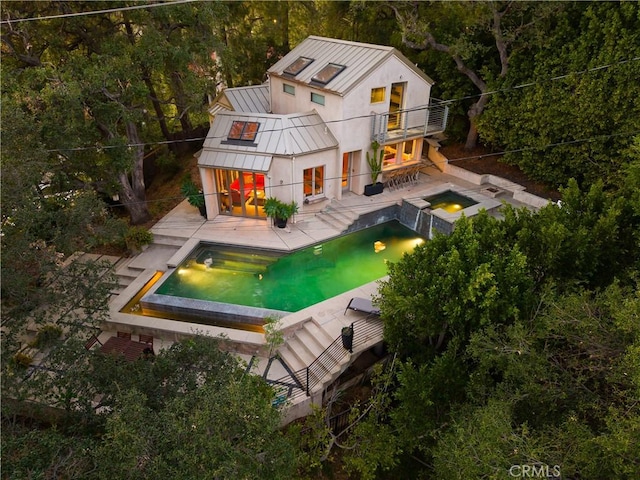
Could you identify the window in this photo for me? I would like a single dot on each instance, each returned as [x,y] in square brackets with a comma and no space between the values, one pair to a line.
[245,131]
[317,98]
[296,67]
[400,153]
[327,73]
[313,182]
[378,94]
[290,89]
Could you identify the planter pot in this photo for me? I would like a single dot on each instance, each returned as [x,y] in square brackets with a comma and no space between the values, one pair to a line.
[280,222]
[347,338]
[203,210]
[373,189]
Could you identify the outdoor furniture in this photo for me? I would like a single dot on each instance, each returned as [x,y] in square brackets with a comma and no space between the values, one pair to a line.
[145,338]
[91,342]
[129,349]
[124,335]
[358,304]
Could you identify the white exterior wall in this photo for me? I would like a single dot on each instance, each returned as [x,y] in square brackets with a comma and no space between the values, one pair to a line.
[349,117]
[285,178]
[355,135]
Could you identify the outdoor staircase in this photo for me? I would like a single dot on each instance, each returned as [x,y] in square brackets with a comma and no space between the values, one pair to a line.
[126,274]
[304,346]
[314,359]
[337,216]
[128,269]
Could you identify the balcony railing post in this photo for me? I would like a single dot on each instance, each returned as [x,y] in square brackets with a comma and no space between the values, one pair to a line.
[426,120]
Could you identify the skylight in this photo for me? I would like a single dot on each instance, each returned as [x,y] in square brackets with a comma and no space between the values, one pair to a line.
[243,131]
[328,73]
[296,67]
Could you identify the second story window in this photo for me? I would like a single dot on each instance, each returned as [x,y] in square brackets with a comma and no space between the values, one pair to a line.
[290,89]
[378,94]
[243,131]
[317,98]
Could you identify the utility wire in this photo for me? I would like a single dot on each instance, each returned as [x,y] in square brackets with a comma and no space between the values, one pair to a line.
[96,12]
[330,122]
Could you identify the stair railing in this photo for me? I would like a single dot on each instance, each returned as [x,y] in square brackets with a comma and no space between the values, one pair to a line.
[301,382]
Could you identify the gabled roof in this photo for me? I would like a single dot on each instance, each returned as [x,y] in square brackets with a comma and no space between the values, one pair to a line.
[254,98]
[358,60]
[278,135]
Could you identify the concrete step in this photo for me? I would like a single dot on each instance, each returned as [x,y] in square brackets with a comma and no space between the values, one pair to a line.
[289,357]
[318,333]
[310,342]
[337,216]
[300,351]
[168,240]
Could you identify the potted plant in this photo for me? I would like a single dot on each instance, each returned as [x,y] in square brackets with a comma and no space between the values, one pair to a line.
[375,165]
[194,196]
[279,211]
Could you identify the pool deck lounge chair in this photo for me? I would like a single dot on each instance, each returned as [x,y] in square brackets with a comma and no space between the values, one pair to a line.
[358,304]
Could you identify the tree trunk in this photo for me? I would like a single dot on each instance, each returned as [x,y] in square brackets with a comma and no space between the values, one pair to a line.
[474,113]
[138,212]
[133,190]
[157,107]
[181,102]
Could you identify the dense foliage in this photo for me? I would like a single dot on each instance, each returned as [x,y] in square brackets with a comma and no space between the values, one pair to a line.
[516,341]
[191,411]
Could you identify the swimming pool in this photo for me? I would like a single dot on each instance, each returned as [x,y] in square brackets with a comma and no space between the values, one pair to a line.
[450,201]
[235,282]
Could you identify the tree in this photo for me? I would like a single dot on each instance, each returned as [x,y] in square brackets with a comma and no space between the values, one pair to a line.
[481,38]
[90,83]
[578,108]
[191,410]
[452,285]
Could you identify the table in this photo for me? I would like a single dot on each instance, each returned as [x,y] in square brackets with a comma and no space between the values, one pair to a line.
[123,346]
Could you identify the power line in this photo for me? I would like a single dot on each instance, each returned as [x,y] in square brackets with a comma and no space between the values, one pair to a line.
[96,12]
[358,117]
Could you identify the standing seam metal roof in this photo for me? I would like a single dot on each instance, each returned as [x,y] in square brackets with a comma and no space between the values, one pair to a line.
[358,58]
[254,98]
[283,135]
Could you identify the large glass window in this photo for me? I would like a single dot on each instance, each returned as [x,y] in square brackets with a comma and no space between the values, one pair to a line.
[241,193]
[313,182]
[399,153]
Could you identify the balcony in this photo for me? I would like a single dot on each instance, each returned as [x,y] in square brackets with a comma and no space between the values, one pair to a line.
[414,122]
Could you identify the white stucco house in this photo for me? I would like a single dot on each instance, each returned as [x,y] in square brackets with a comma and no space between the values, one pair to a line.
[304,134]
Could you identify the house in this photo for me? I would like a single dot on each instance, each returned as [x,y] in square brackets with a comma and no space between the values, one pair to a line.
[305,133]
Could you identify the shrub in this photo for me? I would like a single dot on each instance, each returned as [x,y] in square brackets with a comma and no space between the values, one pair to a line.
[136,237]
[47,335]
[22,359]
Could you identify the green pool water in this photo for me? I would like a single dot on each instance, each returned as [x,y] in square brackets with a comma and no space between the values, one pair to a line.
[293,281]
[450,201]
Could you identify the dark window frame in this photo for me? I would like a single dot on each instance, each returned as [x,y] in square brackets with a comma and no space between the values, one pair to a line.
[243,131]
[294,69]
[334,69]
